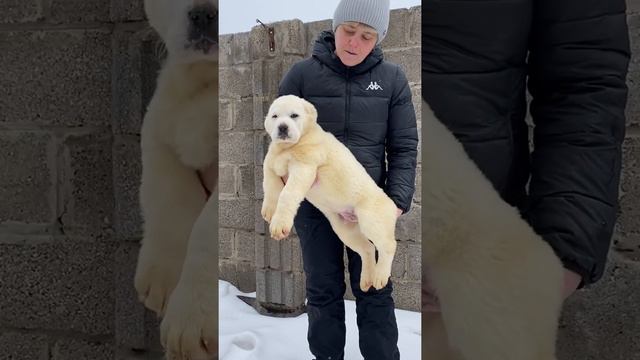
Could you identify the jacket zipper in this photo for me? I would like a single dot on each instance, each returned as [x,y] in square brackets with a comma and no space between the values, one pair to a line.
[347,106]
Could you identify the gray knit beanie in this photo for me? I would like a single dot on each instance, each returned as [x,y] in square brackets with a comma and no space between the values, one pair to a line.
[374,13]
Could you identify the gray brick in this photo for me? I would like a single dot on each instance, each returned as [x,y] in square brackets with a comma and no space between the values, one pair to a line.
[246,277]
[127,10]
[267,75]
[415,25]
[72,349]
[275,254]
[88,195]
[245,245]
[236,80]
[136,67]
[260,226]
[20,346]
[152,325]
[226,50]
[296,255]
[78,11]
[226,115]
[398,33]
[408,226]
[261,252]
[243,114]
[409,60]
[313,31]
[601,322]
[260,147]
[286,254]
[129,311]
[227,180]
[633,7]
[261,285]
[247,181]
[258,179]
[236,214]
[240,48]
[228,271]
[127,169]
[261,105]
[275,285]
[26,185]
[293,295]
[414,262]
[62,285]
[290,38]
[63,76]
[406,295]
[399,267]
[225,243]
[236,148]
[417,196]
[20,11]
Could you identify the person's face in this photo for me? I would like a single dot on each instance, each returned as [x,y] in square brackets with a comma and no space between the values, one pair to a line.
[354,41]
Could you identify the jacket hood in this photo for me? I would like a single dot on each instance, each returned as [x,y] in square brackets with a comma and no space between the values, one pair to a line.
[324,50]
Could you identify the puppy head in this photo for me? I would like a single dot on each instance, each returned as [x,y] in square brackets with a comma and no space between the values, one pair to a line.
[288,118]
[189,28]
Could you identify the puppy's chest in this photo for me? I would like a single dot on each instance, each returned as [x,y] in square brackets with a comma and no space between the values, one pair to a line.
[280,164]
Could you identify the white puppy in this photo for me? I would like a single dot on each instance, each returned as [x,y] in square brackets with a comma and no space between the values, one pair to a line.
[499,284]
[321,169]
[177,266]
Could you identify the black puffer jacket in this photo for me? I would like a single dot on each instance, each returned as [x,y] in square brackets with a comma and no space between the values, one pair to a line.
[477,58]
[368,108]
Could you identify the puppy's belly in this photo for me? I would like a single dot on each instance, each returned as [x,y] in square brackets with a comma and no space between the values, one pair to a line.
[329,201]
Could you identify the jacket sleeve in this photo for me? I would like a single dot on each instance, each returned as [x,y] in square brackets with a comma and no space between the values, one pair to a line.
[579,54]
[401,145]
[291,83]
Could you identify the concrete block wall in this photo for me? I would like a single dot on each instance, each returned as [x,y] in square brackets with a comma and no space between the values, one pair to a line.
[250,74]
[75,78]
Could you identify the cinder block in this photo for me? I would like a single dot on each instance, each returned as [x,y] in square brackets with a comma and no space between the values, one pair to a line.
[290,38]
[261,250]
[127,10]
[27,185]
[258,180]
[286,254]
[293,295]
[236,148]
[601,322]
[72,349]
[236,214]
[260,226]
[88,196]
[415,25]
[127,169]
[58,285]
[129,311]
[236,80]
[275,285]
[408,227]
[261,105]
[20,11]
[398,32]
[260,147]
[275,257]
[247,180]
[633,6]
[227,180]
[245,245]
[296,255]
[261,285]
[417,196]
[226,115]
[414,262]
[243,114]
[56,78]
[410,62]
[240,48]
[313,31]
[267,75]
[20,346]
[227,271]
[226,238]
[246,276]
[135,70]
[407,295]
[78,11]
[399,266]
[226,53]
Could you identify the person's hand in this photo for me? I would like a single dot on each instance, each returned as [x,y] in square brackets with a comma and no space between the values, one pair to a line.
[571,282]
[398,212]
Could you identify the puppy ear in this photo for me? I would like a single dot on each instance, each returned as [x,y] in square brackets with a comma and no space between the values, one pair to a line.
[310,110]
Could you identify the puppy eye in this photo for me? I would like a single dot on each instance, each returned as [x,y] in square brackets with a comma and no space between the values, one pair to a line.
[294,115]
[274,116]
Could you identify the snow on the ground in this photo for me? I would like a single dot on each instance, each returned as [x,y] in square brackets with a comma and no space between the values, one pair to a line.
[247,335]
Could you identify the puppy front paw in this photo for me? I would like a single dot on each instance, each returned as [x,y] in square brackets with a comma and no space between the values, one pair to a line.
[280,226]
[157,274]
[381,276]
[189,329]
[268,209]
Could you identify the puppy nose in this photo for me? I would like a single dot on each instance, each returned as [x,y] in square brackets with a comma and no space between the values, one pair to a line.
[203,21]
[282,129]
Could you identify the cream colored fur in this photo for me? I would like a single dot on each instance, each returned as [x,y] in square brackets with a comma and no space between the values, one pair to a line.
[499,284]
[322,170]
[176,273]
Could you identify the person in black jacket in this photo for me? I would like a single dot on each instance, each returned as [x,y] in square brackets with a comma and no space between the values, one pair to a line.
[366,103]
[479,57]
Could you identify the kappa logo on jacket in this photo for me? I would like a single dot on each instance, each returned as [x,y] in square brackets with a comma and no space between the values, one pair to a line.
[374,86]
